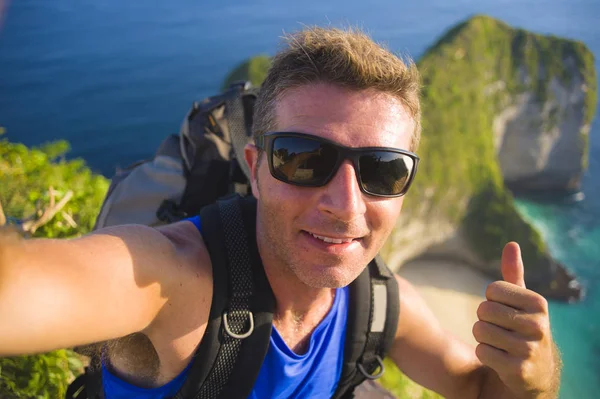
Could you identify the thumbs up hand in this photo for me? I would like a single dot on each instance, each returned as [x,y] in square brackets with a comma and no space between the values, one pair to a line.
[514,335]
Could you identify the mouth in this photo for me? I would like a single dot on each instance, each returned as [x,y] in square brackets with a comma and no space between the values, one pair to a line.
[332,240]
[338,242]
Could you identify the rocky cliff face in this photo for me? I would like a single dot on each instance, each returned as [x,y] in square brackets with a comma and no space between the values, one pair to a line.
[541,140]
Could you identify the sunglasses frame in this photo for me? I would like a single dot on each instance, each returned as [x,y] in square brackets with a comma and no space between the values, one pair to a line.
[265,143]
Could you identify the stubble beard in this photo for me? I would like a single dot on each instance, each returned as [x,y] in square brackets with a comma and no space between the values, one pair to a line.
[335,271]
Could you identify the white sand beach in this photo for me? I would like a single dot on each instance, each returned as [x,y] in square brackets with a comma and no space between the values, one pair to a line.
[453,292]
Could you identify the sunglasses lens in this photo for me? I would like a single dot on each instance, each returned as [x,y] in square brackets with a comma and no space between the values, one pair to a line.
[302,160]
[385,172]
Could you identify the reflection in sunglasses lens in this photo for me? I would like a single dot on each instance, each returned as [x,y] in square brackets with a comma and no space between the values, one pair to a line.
[385,173]
[303,160]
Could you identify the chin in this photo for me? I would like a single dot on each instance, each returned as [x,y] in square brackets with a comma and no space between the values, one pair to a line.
[327,277]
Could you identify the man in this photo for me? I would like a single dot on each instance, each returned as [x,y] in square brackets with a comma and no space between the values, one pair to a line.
[319,223]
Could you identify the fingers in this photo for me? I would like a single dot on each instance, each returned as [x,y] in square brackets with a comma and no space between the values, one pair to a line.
[493,357]
[509,368]
[499,338]
[530,326]
[516,297]
[512,265]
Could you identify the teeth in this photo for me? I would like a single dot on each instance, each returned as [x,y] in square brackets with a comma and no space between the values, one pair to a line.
[332,240]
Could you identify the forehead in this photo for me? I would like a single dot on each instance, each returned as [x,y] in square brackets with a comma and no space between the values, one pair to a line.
[365,118]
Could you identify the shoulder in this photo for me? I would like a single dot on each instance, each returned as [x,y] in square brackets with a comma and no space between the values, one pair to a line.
[188,247]
[188,279]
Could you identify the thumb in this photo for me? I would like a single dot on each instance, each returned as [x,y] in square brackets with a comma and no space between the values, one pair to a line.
[512,265]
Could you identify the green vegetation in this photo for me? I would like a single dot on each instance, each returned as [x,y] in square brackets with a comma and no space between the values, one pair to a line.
[585,142]
[255,70]
[503,223]
[26,176]
[43,376]
[402,386]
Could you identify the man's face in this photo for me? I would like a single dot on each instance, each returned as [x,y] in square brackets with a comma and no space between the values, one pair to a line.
[289,216]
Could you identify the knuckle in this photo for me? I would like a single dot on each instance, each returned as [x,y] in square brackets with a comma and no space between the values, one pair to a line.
[540,304]
[492,290]
[529,349]
[512,316]
[536,327]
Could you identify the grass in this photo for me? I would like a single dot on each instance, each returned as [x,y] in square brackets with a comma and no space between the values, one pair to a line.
[403,387]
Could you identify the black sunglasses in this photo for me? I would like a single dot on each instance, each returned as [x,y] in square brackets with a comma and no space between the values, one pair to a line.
[312,161]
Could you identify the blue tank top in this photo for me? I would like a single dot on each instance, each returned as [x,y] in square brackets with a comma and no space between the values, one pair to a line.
[283,374]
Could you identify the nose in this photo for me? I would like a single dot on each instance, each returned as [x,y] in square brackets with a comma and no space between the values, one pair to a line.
[342,197]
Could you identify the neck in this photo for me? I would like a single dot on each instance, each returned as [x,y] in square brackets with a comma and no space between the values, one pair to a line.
[299,307]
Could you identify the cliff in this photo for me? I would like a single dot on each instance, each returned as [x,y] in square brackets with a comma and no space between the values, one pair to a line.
[501,107]
[547,101]
[479,86]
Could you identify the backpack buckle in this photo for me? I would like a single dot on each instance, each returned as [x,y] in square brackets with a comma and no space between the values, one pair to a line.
[371,376]
[241,335]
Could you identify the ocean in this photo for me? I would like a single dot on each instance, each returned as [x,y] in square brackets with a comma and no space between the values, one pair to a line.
[114,77]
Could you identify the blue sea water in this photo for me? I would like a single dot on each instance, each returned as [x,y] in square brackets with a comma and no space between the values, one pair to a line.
[113,77]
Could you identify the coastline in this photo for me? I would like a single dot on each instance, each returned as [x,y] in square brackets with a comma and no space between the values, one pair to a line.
[452,290]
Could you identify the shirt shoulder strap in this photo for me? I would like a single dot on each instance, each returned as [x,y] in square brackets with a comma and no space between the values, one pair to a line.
[372,322]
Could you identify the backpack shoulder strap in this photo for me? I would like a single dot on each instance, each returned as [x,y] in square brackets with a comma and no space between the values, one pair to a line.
[87,386]
[236,340]
[372,322]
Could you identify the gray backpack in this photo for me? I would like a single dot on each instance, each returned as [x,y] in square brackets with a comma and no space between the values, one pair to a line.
[190,170]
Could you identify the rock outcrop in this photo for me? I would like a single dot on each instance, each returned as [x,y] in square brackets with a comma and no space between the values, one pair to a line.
[541,136]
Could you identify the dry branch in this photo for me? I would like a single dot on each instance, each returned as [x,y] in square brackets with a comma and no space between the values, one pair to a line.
[30,225]
[47,215]
[69,219]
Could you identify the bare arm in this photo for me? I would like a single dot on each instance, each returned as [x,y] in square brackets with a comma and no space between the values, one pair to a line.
[63,293]
[431,356]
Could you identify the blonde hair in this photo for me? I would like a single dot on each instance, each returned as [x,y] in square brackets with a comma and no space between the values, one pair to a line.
[346,58]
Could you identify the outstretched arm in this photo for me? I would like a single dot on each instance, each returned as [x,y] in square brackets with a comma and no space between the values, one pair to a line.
[63,293]
[515,358]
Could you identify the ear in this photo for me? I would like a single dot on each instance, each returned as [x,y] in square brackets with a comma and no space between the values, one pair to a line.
[251,156]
